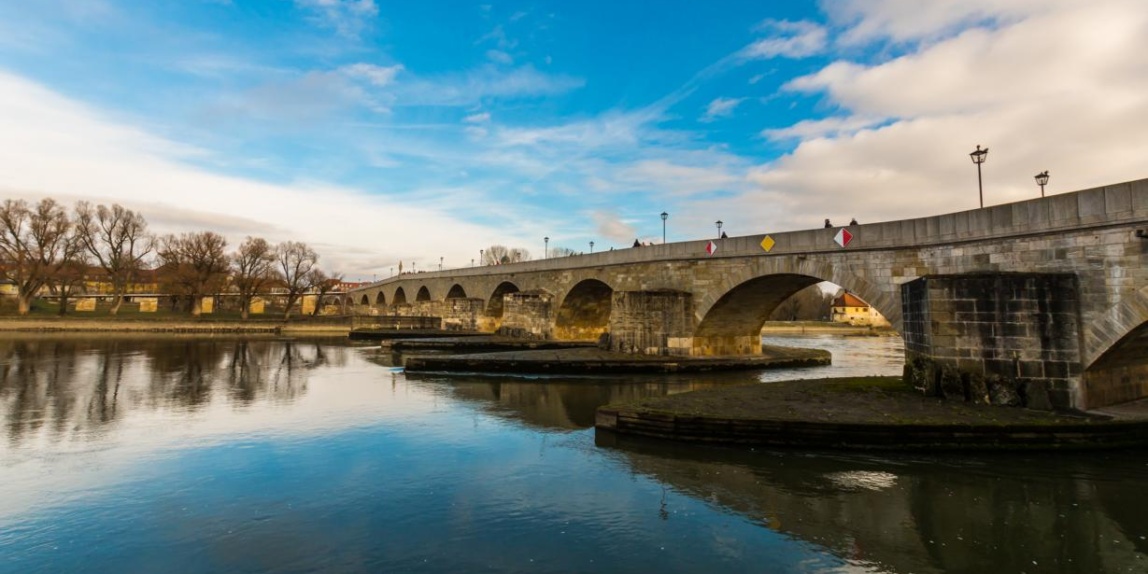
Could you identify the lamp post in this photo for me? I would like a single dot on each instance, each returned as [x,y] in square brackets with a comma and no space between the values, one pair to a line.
[440,263]
[481,261]
[718,223]
[472,262]
[1042,180]
[591,247]
[545,247]
[392,271]
[665,216]
[978,158]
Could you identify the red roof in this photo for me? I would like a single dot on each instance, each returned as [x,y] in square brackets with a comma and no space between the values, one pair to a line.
[849,300]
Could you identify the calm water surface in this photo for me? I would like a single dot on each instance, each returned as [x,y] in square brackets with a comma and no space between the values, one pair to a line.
[266,455]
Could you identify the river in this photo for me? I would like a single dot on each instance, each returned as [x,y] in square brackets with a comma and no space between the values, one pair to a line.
[173,454]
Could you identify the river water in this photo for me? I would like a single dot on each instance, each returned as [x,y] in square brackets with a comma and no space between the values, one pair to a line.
[171,454]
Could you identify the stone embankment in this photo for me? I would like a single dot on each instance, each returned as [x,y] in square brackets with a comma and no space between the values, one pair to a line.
[183,327]
[591,360]
[867,413]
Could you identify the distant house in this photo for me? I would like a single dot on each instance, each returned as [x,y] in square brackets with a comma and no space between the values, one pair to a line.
[851,309]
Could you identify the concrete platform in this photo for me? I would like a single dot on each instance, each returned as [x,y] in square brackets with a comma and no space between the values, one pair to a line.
[388,334]
[479,344]
[596,361]
[881,413]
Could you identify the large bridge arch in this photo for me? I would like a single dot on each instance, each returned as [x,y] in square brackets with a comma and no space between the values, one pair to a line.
[585,310]
[365,300]
[400,297]
[735,285]
[380,299]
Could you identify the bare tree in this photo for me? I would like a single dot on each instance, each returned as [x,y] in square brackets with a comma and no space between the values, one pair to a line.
[194,264]
[561,252]
[253,271]
[323,284]
[69,275]
[118,240]
[501,255]
[296,260]
[34,244]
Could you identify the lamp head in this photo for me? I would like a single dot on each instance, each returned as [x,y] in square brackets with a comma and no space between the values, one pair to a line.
[979,155]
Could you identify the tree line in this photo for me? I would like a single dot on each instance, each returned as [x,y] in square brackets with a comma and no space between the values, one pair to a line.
[46,246]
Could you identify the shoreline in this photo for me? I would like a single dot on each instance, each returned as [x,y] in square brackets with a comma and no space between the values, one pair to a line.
[187,326]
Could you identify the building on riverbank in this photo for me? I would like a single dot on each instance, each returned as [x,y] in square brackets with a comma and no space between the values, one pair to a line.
[852,310]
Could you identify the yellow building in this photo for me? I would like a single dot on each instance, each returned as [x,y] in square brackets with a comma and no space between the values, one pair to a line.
[851,309]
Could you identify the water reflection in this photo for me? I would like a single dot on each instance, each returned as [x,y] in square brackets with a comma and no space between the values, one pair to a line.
[567,403]
[57,386]
[900,514]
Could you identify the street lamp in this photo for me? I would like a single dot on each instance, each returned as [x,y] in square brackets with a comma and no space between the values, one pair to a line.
[440,263]
[481,261]
[1042,180]
[545,247]
[591,247]
[979,157]
[665,216]
[472,262]
[718,223]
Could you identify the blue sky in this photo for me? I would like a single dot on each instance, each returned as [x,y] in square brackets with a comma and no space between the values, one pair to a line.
[386,131]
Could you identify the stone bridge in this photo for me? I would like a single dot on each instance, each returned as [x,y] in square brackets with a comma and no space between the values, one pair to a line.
[1045,301]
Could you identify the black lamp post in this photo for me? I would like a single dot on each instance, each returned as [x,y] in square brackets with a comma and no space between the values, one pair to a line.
[1042,180]
[545,247]
[591,247]
[440,263]
[718,223]
[665,216]
[481,261]
[979,157]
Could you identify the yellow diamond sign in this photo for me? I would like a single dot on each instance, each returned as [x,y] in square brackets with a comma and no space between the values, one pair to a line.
[767,243]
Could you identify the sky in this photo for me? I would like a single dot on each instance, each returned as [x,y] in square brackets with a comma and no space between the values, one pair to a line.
[381,131]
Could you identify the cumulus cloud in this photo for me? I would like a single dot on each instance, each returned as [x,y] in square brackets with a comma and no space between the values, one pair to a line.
[1064,90]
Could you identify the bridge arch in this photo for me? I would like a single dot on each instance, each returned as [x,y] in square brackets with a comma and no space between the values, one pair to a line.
[585,311]
[380,299]
[365,300]
[423,294]
[456,292]
[400,297]
[1115,354]
[494,303]
[737,282]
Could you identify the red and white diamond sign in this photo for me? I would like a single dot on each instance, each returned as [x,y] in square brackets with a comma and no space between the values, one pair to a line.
[843,237]
[711,248]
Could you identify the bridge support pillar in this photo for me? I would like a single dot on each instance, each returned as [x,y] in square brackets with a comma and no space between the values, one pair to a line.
[527,314]
[1006,339]
[652,322]
[462,314]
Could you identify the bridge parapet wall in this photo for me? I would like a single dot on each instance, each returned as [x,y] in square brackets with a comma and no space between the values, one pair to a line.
[1006,339]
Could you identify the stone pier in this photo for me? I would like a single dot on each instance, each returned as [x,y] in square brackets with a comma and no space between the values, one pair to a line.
[652,322]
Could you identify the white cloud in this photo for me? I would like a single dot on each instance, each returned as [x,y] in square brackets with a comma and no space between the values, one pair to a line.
[378,76]
[1063,90]
[903,21]
[670,178]
[479,118]
[473,86]
[52,146]
[500,57]
[720,108]
[348,18]
[609,226]
[787,39]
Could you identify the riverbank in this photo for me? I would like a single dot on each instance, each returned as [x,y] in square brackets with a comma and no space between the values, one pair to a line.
[591,360]
[115,325]
[824,328]
[864,413]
